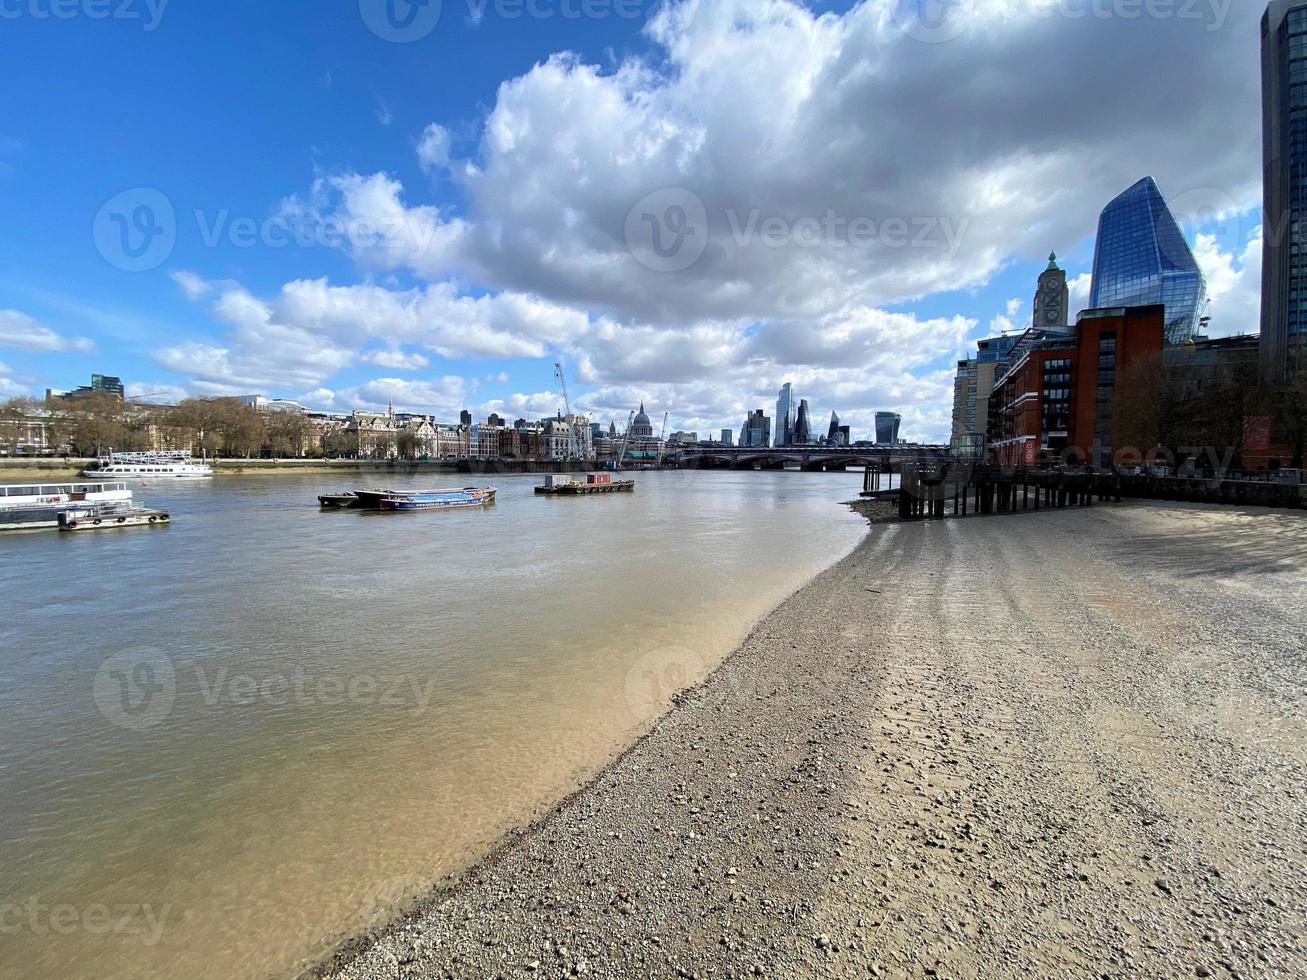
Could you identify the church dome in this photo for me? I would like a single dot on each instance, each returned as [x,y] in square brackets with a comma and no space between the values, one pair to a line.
[642,428]
[641,418]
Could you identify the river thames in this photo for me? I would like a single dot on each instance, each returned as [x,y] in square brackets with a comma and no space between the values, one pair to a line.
[203,724]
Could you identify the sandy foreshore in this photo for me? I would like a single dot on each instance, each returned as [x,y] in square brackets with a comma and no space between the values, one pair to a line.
[1065,744]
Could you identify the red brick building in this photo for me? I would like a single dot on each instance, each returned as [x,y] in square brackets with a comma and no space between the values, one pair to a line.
[1055,398]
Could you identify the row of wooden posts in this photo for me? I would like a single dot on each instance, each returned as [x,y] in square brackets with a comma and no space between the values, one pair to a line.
[952,488]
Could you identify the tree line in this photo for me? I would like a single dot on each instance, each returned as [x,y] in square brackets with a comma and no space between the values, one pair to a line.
[96,422]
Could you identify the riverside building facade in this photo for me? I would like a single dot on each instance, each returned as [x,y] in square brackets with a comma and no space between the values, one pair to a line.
[1055,397]
[1284,187]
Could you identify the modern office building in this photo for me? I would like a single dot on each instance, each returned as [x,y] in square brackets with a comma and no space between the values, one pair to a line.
[756,433]
[1284,187]
[802,425]
[785,415]
[887,428]
[728,437]
[1142,259]
[971,390]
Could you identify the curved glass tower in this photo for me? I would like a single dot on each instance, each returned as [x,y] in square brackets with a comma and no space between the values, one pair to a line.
[1142,259]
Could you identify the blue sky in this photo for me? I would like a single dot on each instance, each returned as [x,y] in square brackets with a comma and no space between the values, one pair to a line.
[488,171]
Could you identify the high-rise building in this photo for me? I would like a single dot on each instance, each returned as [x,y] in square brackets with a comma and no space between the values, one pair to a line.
[1284,188]
[1052,297]
[465,417]
[785,412]
[1142,259]
[728,437]
[756,433]
[971,390]
[833,430]
[802,425]
[887,428]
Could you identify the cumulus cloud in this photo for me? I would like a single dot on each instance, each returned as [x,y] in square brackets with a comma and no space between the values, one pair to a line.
[1234,284]
[433,148]
[396,360]
[193,286]
[10,386]
[826,166]
[22,332]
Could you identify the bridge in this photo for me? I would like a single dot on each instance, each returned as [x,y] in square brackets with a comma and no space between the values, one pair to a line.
[812,459]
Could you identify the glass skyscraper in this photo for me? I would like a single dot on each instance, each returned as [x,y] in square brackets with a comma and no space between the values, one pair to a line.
[785,412]
[887,428]
[1142,259]
[1284,185]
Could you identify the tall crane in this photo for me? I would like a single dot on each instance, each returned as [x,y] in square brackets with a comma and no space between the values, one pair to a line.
[626,440]
[662,441]
[567,406]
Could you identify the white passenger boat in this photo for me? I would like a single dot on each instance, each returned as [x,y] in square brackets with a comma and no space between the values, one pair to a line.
[148,466]
[40,504]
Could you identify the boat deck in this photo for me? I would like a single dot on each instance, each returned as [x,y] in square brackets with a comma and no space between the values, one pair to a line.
[578,489]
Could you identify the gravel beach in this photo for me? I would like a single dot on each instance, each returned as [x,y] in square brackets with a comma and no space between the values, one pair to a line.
[1057,744]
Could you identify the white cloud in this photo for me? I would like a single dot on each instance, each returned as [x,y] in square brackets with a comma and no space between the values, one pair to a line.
[10,386]
[396,360]
[1234,283]
[433,148]
[193,286]
[444,397]
[1080,288]
[22,332]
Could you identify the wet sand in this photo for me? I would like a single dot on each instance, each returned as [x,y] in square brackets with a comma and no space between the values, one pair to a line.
[1058,744]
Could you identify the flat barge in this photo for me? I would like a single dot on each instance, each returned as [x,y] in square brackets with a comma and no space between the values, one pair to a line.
[112,518]
[568,486]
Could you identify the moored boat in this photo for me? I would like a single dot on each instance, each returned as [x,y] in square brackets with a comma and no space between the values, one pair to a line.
[29,506]
[444,499]
[146,466]
[570,486]
[104,517]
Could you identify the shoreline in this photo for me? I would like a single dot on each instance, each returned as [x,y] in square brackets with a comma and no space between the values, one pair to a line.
[869,783]
[351,947]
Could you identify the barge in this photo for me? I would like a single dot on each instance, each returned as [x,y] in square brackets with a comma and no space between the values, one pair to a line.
[112,516]
[570,486]
[448,498]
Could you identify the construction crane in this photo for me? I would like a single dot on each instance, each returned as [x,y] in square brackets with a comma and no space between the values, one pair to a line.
[567,406]
[626,440]
[662,441]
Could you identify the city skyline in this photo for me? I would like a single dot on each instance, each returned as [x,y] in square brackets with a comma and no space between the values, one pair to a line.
[452,317]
